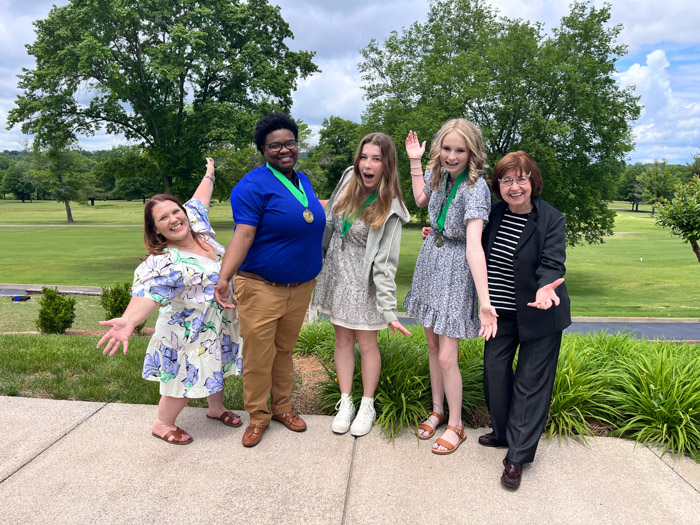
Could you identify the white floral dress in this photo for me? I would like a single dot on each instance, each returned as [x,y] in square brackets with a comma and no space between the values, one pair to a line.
[196,343]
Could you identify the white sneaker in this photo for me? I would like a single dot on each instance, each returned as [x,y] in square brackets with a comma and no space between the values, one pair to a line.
[365,418]
[346,412]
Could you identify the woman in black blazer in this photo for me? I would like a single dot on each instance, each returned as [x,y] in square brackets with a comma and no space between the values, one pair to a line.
[525,250]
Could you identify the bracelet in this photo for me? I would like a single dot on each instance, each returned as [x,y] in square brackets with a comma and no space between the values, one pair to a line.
[210,177]
[416,175]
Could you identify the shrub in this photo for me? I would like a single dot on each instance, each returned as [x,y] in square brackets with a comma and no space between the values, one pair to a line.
[56,312]
[317,338]
[115,300]
[658,397]
[578,393]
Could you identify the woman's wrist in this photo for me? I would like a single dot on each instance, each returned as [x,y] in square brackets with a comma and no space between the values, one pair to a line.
[210,177]
[415,162]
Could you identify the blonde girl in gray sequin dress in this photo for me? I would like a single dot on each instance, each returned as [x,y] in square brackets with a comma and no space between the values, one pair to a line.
[450,272]
[356,287]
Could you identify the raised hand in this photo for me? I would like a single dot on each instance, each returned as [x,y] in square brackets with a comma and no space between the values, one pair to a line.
[546,296]
[489,324]
[395,325]
[119,333]
[414,149]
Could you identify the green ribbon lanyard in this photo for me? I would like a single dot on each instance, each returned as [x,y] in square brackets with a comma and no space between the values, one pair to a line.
[348,220]
[440,222]
[300,194]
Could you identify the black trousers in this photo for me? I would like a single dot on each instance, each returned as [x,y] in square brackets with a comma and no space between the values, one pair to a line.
[519,402]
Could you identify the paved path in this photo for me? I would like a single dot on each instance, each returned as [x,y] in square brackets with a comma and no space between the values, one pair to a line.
[67,462]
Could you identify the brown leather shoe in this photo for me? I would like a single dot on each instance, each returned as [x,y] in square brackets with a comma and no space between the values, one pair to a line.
[487,440]
[511,476]
[253,434]
[291,420]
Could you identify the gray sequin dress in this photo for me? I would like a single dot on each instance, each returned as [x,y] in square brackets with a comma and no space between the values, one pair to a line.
[341,290]
[442,295]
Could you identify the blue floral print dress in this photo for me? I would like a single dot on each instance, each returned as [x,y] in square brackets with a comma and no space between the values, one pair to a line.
[196,343]
[443,295]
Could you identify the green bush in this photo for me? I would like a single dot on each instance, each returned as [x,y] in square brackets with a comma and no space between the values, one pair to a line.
[56,312]
[115,300]
[643,390]
[658,398]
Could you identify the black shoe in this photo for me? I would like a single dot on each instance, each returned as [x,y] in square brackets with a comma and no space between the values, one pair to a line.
[511,475]
[487,440]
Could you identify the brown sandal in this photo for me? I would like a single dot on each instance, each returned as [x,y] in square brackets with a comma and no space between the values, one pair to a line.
[173,437]
[427,428]
[461,434]
[228,418]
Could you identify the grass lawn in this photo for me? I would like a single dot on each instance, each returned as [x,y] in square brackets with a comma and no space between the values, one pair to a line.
[71,367]
[608,279]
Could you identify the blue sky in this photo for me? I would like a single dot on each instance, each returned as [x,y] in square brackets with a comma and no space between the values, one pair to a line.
[663,63]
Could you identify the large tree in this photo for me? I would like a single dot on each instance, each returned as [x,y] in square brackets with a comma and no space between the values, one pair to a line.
[553,95]
[17,181]
[177,76]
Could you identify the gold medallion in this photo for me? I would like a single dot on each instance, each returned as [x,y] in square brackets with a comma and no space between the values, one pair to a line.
[308,216]
[439,240]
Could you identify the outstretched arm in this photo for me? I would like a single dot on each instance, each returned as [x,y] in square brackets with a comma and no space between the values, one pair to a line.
[206,187]
[546,296]
[415,150]
[123,327]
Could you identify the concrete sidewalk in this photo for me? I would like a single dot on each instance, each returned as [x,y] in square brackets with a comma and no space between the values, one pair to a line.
[78,462]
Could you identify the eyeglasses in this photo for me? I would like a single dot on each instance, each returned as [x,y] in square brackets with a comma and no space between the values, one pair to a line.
[276,146]
[521,180]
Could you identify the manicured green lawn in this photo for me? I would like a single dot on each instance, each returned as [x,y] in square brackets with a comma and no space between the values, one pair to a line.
[603,280]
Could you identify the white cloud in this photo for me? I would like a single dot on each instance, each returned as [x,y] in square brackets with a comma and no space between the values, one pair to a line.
[669,126]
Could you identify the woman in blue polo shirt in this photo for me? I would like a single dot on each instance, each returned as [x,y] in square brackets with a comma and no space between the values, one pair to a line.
[275,255]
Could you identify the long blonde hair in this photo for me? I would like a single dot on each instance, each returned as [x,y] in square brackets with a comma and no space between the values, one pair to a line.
[351,201]
[475,145]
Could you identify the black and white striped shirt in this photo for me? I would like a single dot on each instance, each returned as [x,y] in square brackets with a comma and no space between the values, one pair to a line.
[500,263]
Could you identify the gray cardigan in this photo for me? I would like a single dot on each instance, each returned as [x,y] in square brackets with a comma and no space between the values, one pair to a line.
[382,252]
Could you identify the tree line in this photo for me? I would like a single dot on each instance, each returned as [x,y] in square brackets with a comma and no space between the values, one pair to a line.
[183,80]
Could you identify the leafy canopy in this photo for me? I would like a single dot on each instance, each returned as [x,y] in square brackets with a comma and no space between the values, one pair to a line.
[178,77]
[554,96]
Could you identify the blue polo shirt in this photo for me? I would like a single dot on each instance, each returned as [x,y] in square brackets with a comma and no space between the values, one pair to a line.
[286,248]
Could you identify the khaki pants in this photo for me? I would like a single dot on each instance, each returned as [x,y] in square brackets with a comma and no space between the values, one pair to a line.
[270,318]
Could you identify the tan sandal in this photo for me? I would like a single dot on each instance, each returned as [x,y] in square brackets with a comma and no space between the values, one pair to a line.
[427,428]
[461,434]
[174,437]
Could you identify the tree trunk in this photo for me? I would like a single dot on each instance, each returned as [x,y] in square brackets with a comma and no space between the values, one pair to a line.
[69,215]
[696,249]
[92,201]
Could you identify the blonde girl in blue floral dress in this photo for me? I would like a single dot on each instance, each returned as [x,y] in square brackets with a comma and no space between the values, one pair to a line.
[450,272]
[196,343]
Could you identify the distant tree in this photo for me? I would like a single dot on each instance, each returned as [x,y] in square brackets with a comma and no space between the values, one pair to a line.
[629,189]
[657,181]
[551,94]
[682,213]
[338,140]
[66,172]
[694,167]
[17,181]
[178,77]
[126,172]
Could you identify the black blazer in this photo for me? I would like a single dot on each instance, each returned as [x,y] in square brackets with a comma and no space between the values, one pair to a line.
[538,260]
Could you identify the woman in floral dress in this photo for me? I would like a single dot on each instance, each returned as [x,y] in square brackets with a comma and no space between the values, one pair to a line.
[451,269]
[196,343]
